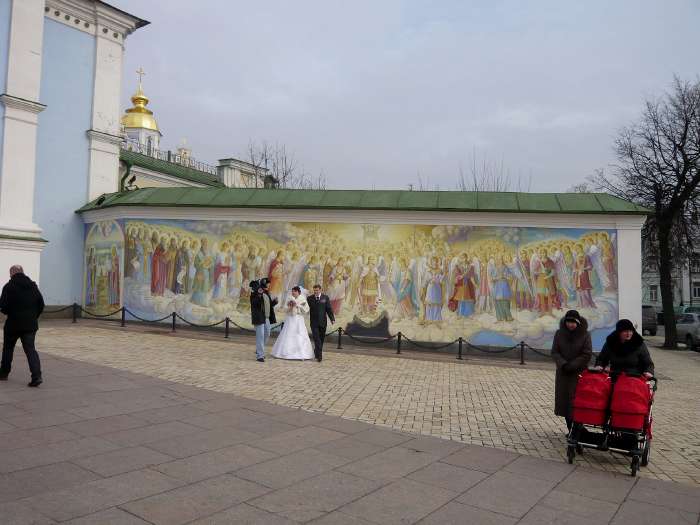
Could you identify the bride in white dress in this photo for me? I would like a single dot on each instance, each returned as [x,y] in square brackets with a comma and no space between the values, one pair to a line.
[293,341]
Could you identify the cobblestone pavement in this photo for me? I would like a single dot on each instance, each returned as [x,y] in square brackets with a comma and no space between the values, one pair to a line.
[506,407]
[97,445]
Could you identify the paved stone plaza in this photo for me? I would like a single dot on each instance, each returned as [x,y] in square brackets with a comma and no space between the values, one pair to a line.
[101,444]
[498,404]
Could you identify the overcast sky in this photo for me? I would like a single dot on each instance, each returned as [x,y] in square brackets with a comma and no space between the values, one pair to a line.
[373,93]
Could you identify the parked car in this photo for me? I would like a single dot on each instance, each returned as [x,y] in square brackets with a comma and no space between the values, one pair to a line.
[688,329]
[649,319]
[679,310]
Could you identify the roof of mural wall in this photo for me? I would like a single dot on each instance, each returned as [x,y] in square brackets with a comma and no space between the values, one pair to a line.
[170,168]
[584,203]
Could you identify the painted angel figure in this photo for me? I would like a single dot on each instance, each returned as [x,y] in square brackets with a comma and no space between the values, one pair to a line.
[463,286]
[407,297]
[563,276]
[384,269]
[370,289]
[434,291]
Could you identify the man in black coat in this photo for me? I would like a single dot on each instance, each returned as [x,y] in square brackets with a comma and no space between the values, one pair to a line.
[319,310]
[22,303]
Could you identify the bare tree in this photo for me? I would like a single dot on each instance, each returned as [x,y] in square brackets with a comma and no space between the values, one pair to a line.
[489,175]
[659,168]
[582,187]
[275,162]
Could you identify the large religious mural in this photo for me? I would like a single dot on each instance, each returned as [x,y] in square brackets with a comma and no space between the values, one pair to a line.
[490,285]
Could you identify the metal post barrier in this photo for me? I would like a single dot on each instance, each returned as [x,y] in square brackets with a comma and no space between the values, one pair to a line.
[340,335]
[75,312]
[459,353]
[398,343]
[123,316]
[226,328]
[522,352]
[174,319]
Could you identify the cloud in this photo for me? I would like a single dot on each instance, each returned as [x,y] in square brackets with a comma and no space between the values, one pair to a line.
[372,93]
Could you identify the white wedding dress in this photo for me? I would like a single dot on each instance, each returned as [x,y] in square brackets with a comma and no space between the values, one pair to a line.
[293,341]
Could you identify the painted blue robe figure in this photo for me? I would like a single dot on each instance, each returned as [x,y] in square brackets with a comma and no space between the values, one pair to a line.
[137,262]
[201,285]
[434,292]
[500,276]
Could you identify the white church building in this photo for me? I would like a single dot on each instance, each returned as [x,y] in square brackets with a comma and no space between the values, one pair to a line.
[64,140]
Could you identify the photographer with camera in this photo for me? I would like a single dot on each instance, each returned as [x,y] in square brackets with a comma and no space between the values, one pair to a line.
[262,314]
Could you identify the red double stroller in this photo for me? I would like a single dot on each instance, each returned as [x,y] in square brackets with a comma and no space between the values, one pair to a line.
[614,415]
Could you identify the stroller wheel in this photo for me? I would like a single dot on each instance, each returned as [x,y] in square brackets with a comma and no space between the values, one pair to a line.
[570,453]
[647,453]
[635,465]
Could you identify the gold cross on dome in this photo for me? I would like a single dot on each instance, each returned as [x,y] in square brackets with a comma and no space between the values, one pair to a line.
[140,72]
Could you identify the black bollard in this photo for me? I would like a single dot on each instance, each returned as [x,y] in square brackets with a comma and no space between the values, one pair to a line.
[123,323]
[174,319]
[75,312]
[226,327]
[398,343]
[522,352]
[340,335]
[459,353]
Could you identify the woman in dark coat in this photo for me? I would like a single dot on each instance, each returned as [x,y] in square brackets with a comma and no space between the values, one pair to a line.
[571,351]
[625,351]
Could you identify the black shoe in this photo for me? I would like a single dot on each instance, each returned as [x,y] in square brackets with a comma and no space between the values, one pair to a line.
[35,382]
[3,377]
[261,359]
[318,359]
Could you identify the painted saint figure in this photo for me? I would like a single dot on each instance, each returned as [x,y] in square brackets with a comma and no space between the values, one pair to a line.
[113,279]
[464,293]
[202,276]
[159,269]
[502,294]
[433,296]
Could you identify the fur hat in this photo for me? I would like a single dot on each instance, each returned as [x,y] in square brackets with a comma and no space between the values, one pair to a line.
[573,315]
[624,324]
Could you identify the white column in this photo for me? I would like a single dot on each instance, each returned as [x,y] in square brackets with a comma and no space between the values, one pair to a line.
[629,268]
[21,101]
[105,133]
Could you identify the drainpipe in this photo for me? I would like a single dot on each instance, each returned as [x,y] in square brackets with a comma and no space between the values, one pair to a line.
[125,176]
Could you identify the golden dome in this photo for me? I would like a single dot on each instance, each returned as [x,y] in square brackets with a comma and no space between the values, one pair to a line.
[139,116]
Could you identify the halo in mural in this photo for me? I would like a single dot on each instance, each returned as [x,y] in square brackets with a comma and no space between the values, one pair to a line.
[104,247]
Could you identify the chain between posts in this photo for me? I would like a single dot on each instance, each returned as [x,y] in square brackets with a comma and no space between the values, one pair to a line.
[521,347]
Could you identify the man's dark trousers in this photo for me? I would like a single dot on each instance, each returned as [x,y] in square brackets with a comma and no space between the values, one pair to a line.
[318,332]
[8,348]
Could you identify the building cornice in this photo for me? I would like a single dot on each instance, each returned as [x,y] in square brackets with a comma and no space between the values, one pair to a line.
[29,106]
[93,17]
[433,218]
[107,138]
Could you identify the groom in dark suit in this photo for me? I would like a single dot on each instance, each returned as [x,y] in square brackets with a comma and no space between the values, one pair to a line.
[319,309]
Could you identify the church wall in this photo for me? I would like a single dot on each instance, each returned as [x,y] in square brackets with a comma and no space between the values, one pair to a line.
[432,280]
[63,157]
[5,7]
